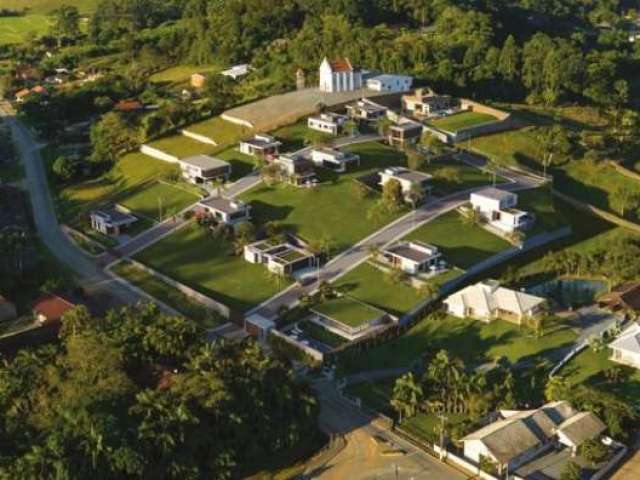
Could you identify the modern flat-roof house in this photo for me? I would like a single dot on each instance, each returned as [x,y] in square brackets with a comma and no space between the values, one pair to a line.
[261,145]
[280,258]
[237,71]
[298,169]
[497,207]
[390,83]
[329,123]
[408,179]
[110,221]
[412,257]
[625,349]
[348,317]
[225,210]
[517,437]
[51,308]
[334,159]
[487,301]
[7,310]
[405,132]
[203,168]
[366,110]
[339,75]
[425,102]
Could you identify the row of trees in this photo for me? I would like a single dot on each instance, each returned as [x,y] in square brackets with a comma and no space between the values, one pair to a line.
[140,394]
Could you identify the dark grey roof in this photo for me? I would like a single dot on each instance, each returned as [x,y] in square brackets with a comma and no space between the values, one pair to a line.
[113,216]
[223,204]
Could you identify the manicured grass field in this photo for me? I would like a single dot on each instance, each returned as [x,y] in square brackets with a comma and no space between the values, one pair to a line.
[367,283]
[348,311]
[331,210]
[588,367]
[182,73]
[461,245]
[159,201]
[474,342]
[220,131]
[459,121]
[193,257]
[182,147]
[129,175]
[16,29]
[594,184]
[167,294]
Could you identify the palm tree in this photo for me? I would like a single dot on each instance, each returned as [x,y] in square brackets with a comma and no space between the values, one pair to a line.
[406,397]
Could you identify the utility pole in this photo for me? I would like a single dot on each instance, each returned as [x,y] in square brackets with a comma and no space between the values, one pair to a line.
[159,209]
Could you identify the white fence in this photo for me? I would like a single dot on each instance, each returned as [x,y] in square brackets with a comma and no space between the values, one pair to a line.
[199,138]
[159,154]
[463,463]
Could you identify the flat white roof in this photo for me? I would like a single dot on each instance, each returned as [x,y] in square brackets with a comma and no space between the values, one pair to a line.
[205,162]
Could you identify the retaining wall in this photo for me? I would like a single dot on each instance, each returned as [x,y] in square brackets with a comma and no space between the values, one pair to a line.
[159,154]
[208,302]
[198,137]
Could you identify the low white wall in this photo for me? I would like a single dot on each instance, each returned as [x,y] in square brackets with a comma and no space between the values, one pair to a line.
[188,291]
[237,121]
[199,138]
[463,463]
[159,154]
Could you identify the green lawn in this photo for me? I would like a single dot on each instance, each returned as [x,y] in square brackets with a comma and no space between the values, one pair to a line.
[468,177]
[182,147]
[131,173]
[594,183]
[588,367]
[16,29]
[460,121]
[540,202]
[167,294]
[159,201]
[193,257]
[461,245]
[367,283]
[241,164]
[220,131]
[348,311]
[513,148]
[293,136]
[473,341]
[332,210]
[182,73]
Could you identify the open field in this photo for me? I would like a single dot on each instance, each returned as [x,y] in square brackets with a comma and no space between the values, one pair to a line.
[540,202]
[167,294]
[348,311]
[467,177]
[369,284]
[220,131]
[331,210]
[159,201]
[512,148]
[17,29]
[460,121]
[182,73]
[474,342]
[130,174]
[461,245]
[182,147]
[193,257]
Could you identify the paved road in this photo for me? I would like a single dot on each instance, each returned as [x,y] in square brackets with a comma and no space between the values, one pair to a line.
[94,280]
[354,256]
[363,457]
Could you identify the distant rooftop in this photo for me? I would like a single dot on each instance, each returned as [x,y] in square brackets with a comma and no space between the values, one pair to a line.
[494,193]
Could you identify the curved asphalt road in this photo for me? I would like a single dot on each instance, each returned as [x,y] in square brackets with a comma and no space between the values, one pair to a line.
[95,282]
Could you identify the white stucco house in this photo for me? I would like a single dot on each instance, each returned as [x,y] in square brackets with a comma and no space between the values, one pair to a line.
[203,168]
[390,83]
[111,221]
[224,210]
[329,123]
[408,179]
[497,207]
[626,348]
[334,159]
[487,301]
[339,75]
[260,145]
[366,110]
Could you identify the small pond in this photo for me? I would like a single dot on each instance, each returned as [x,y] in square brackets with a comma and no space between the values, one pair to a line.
[571,292]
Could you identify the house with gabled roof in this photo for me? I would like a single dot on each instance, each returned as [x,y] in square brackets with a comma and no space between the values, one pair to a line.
[339,75]
[625,349]
[624,297]
[487,301]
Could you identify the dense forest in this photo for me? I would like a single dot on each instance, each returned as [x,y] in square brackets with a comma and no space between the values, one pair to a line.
[140,394]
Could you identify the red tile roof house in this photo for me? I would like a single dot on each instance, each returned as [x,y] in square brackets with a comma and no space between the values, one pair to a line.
[49,309]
